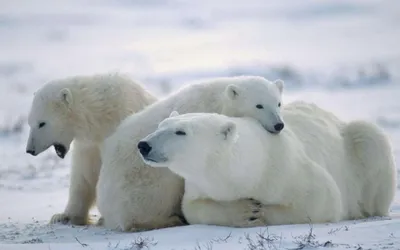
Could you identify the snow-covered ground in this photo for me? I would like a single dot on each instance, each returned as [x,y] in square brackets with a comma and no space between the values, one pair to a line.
[343,55]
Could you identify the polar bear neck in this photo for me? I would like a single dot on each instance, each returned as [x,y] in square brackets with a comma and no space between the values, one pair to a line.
[239,164]
[248,164]
[245,160]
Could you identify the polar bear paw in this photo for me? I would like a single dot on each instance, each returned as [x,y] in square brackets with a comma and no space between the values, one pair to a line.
[248,213]
[68,219]
[100,222]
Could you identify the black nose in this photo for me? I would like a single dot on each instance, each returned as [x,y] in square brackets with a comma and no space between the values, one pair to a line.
[30,151]
[144,148]
[279,126]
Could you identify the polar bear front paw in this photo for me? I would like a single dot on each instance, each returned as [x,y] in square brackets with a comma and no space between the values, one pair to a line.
[100,222]
[249,213]
[68,219]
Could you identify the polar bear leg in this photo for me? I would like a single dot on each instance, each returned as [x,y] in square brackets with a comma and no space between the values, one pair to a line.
[239,213]
[85,170]
[317,198]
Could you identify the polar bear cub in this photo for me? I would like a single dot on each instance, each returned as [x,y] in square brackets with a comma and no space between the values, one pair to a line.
[83,110]
[148,198]
[224,159]
[260,101]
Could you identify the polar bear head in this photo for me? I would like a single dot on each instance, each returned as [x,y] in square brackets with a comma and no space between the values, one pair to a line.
[49,120]
[258,98]
[181,139]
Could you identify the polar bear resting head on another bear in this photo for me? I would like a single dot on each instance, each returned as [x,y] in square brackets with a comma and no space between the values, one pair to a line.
[260,101]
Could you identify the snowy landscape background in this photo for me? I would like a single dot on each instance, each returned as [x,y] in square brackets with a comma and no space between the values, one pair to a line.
[342,55]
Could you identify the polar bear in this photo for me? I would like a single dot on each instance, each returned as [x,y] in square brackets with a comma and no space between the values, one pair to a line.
[317,170]
[132,196]
[83,110]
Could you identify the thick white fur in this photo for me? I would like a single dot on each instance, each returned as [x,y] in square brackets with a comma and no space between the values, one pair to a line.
[134,196]
[357,154]
[318,169]
[85,110]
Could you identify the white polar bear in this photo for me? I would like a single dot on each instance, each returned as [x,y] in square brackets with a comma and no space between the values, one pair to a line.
[318,169]
[132,196]
[85,110]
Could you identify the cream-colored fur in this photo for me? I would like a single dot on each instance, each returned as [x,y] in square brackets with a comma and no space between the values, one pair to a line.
[83,110]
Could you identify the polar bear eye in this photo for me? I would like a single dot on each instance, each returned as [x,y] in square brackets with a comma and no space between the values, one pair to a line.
[41,125]
[180,132]
[279,104]
[259,106]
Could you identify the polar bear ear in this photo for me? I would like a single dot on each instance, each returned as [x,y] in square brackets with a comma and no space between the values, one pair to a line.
[66,96]
[232,91]
[279,84]
[228,130]
[174,113]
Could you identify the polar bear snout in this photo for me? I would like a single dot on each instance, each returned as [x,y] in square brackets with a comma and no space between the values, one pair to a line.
[279,126]
[275,129]
[151,153]
[31,147]
[144,148]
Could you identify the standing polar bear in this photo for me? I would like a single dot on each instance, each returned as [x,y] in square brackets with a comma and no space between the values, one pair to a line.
[85,110]
[134,196]
[317,169]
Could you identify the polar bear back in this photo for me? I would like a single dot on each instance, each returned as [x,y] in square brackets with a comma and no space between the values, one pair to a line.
[206,97]
[321,133]
[316,127]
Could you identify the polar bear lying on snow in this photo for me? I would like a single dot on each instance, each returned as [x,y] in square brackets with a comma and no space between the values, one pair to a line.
[85,110]
[317,169]
[134,196]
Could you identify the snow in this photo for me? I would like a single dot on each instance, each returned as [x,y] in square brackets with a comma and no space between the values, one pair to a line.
[342,55]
